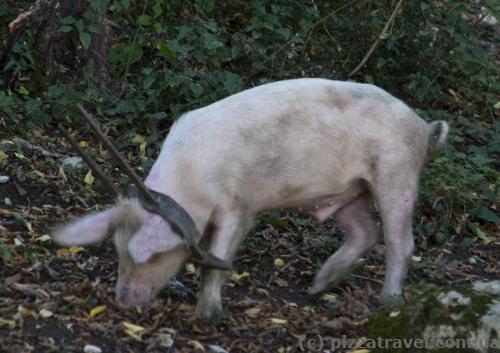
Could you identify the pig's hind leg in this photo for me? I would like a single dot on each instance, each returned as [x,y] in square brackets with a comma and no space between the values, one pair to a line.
[395,194]
[230,229]
[362,234]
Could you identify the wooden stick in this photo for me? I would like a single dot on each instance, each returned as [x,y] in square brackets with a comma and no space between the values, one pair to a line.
[126,168]
[382,34]
[91,163]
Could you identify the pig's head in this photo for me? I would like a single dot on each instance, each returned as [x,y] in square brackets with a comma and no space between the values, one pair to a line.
[150,252]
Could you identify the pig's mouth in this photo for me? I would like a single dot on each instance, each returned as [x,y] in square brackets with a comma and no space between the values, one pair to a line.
[128,298]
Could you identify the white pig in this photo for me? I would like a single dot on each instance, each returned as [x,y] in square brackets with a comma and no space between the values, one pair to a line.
[318,146]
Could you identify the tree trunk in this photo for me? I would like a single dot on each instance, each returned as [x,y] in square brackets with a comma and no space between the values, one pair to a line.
[58,55]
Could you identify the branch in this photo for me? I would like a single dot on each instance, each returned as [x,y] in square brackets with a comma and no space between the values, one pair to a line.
[382,35]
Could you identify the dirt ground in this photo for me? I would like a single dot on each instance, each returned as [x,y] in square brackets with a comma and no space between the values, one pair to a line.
[60,300]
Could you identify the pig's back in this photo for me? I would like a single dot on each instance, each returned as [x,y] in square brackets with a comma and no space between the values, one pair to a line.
[304,131]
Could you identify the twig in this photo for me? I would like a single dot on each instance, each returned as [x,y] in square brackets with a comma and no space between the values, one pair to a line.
[36,149]
[322,20]
[23,17]
[374,280]
[382,35]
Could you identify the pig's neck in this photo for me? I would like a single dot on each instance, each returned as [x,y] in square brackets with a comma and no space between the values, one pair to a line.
[161,181]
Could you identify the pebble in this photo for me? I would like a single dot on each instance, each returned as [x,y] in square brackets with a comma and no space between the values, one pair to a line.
[89,348]
[74,162]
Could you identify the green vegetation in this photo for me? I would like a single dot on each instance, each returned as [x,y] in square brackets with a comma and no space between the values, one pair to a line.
[168,57]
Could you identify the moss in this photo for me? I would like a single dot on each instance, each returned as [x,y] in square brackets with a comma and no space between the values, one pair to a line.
[424,309]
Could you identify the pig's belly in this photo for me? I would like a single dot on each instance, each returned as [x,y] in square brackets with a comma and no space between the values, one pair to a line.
[322,207]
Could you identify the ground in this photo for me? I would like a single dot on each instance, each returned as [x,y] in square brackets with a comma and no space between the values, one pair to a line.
[54,300]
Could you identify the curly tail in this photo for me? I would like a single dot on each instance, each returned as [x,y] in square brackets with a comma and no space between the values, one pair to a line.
[437,146]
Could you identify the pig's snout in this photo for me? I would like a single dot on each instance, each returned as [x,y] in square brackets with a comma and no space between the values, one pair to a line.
[131,297]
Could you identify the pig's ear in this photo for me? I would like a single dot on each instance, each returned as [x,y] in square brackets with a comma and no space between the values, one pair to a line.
[88,229]
[154,236]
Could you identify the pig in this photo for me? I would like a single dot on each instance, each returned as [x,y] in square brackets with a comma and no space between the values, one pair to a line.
[318,146]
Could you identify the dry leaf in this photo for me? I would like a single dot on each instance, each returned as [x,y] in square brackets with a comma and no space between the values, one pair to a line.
[97,310]
[133,335]
[190,268]
[196,345]
[133,328]
[279,263]
[394,313]
[76,249]
[44,238]
[277,321]
[7,323]
[3,155]
[89,178]
[44,313]
[4,212]
[237,276]
[329,298]
[252,312]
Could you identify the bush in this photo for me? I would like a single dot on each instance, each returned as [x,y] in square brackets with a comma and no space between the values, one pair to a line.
[168,57]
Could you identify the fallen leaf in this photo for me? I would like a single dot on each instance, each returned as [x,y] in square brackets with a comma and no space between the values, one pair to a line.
[61,174]
[394,313]
[83,144]
[237,276]
[7,323]
[3,155]
[138,139]
[4,212]
[89,178]
[132,328]
[68,252]
[97,310]
[280,282]
[44,238]
[142,148]
[252,312]
[76,249]
[133,335]
[277,321]
[44,313]
[196,345]
[190,268]
[329,298]
[279,263]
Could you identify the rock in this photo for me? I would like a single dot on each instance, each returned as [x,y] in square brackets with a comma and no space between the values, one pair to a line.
[73,162]
[89,348]
[4,179]
[217,349]
[463,318]
[492,287]
[453,298]
[160,340]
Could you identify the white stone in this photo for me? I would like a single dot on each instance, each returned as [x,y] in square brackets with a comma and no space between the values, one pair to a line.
[492,287]
[89,348]
[73,162]
[453,298]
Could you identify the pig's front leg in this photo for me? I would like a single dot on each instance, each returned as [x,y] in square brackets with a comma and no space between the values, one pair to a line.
[230,230]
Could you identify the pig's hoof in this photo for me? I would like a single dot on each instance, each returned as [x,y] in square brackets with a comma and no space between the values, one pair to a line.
[391,300]
[207,311]
[318,289]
